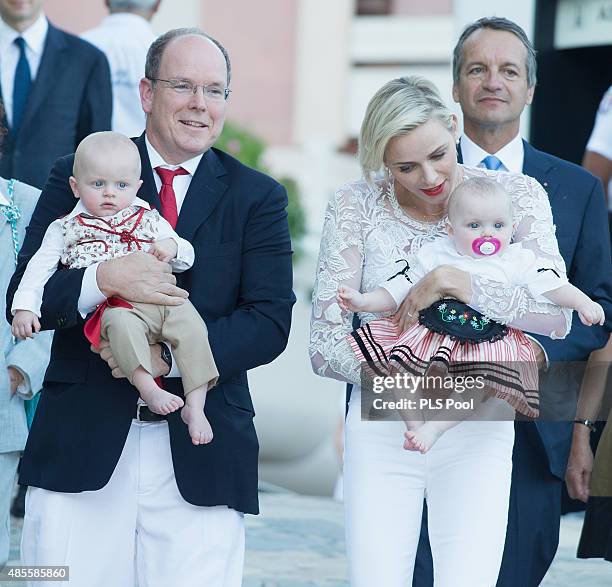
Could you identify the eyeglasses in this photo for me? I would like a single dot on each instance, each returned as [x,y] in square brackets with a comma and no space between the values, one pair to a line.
[211,92]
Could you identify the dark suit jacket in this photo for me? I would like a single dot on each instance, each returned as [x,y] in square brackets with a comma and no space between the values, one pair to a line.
[69,99]
[240,283]
[579,212]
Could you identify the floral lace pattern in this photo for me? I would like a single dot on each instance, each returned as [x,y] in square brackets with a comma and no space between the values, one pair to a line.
[366,231]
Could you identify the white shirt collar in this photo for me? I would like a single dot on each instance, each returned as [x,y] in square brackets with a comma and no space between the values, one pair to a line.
[511,155]
[34,36]
[157,160]
[80,209]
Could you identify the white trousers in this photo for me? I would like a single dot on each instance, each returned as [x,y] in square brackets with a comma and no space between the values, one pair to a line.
[466,480]
[137,530]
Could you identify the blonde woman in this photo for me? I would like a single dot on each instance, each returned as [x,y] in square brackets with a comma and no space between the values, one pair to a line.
[408,157]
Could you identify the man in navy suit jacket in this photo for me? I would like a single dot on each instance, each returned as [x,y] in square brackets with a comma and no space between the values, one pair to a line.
[69,94]
[160,507]
[494,72]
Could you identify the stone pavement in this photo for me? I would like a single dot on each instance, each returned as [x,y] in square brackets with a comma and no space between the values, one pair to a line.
[298,541]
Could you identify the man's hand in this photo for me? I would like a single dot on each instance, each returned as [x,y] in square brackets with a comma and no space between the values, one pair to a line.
[159,366]
[580,464]
[140,277]
[15,379]
[25,324]
[165,250]
[444,281]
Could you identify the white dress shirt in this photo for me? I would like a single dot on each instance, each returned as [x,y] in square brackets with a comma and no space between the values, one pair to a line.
[125,39]
[34,38]
[44,263]
[600,140]
[511,155]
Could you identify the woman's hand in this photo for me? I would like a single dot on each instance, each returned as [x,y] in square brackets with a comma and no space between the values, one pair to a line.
[444,281]
[580,464]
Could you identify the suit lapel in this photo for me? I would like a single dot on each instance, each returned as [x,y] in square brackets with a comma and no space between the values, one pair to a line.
[205,190]
[148,189]
[4,121]
[55,44]
[536,165]
[459,153]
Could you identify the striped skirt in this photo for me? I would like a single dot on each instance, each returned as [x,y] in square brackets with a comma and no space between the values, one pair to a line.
[508,366]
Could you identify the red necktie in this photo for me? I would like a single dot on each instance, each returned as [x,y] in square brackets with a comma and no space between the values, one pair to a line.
[166,195]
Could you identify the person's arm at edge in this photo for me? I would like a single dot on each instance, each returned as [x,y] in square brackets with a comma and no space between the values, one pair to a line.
[600,166]
[580,463]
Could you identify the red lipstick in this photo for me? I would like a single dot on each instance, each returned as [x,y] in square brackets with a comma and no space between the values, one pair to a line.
[436,191]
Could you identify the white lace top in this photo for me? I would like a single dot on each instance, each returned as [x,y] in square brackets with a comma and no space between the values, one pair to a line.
[366,231]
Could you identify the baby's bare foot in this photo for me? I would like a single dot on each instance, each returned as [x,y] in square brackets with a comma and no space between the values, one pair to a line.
[423,438]
[197,424]
[414,424]
[160,401]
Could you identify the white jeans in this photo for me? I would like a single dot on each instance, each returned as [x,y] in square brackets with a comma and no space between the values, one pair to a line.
[466,480]
[137,529]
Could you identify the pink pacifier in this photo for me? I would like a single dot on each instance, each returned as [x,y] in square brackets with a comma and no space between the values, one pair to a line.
[486,245]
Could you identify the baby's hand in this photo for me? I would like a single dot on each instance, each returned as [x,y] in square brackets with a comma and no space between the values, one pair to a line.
[350,299]
[591,313]
[25,324]
[165,250]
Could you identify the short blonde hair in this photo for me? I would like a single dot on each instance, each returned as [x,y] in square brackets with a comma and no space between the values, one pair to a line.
[98,144]
[400,106]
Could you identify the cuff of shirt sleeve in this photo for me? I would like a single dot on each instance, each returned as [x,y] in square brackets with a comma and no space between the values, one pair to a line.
[546,359]
[180,251]
[91,296]
[174,372]
[27,300]
[184,255]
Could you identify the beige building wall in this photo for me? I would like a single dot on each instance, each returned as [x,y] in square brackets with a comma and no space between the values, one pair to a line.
[70,15]
[261,40]
[418,7]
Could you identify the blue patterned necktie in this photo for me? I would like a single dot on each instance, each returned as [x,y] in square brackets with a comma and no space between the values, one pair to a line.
[492,162]
[21,85]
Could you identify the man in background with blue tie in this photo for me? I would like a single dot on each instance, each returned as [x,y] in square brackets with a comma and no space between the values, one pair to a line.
[55,87]
[494,77]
